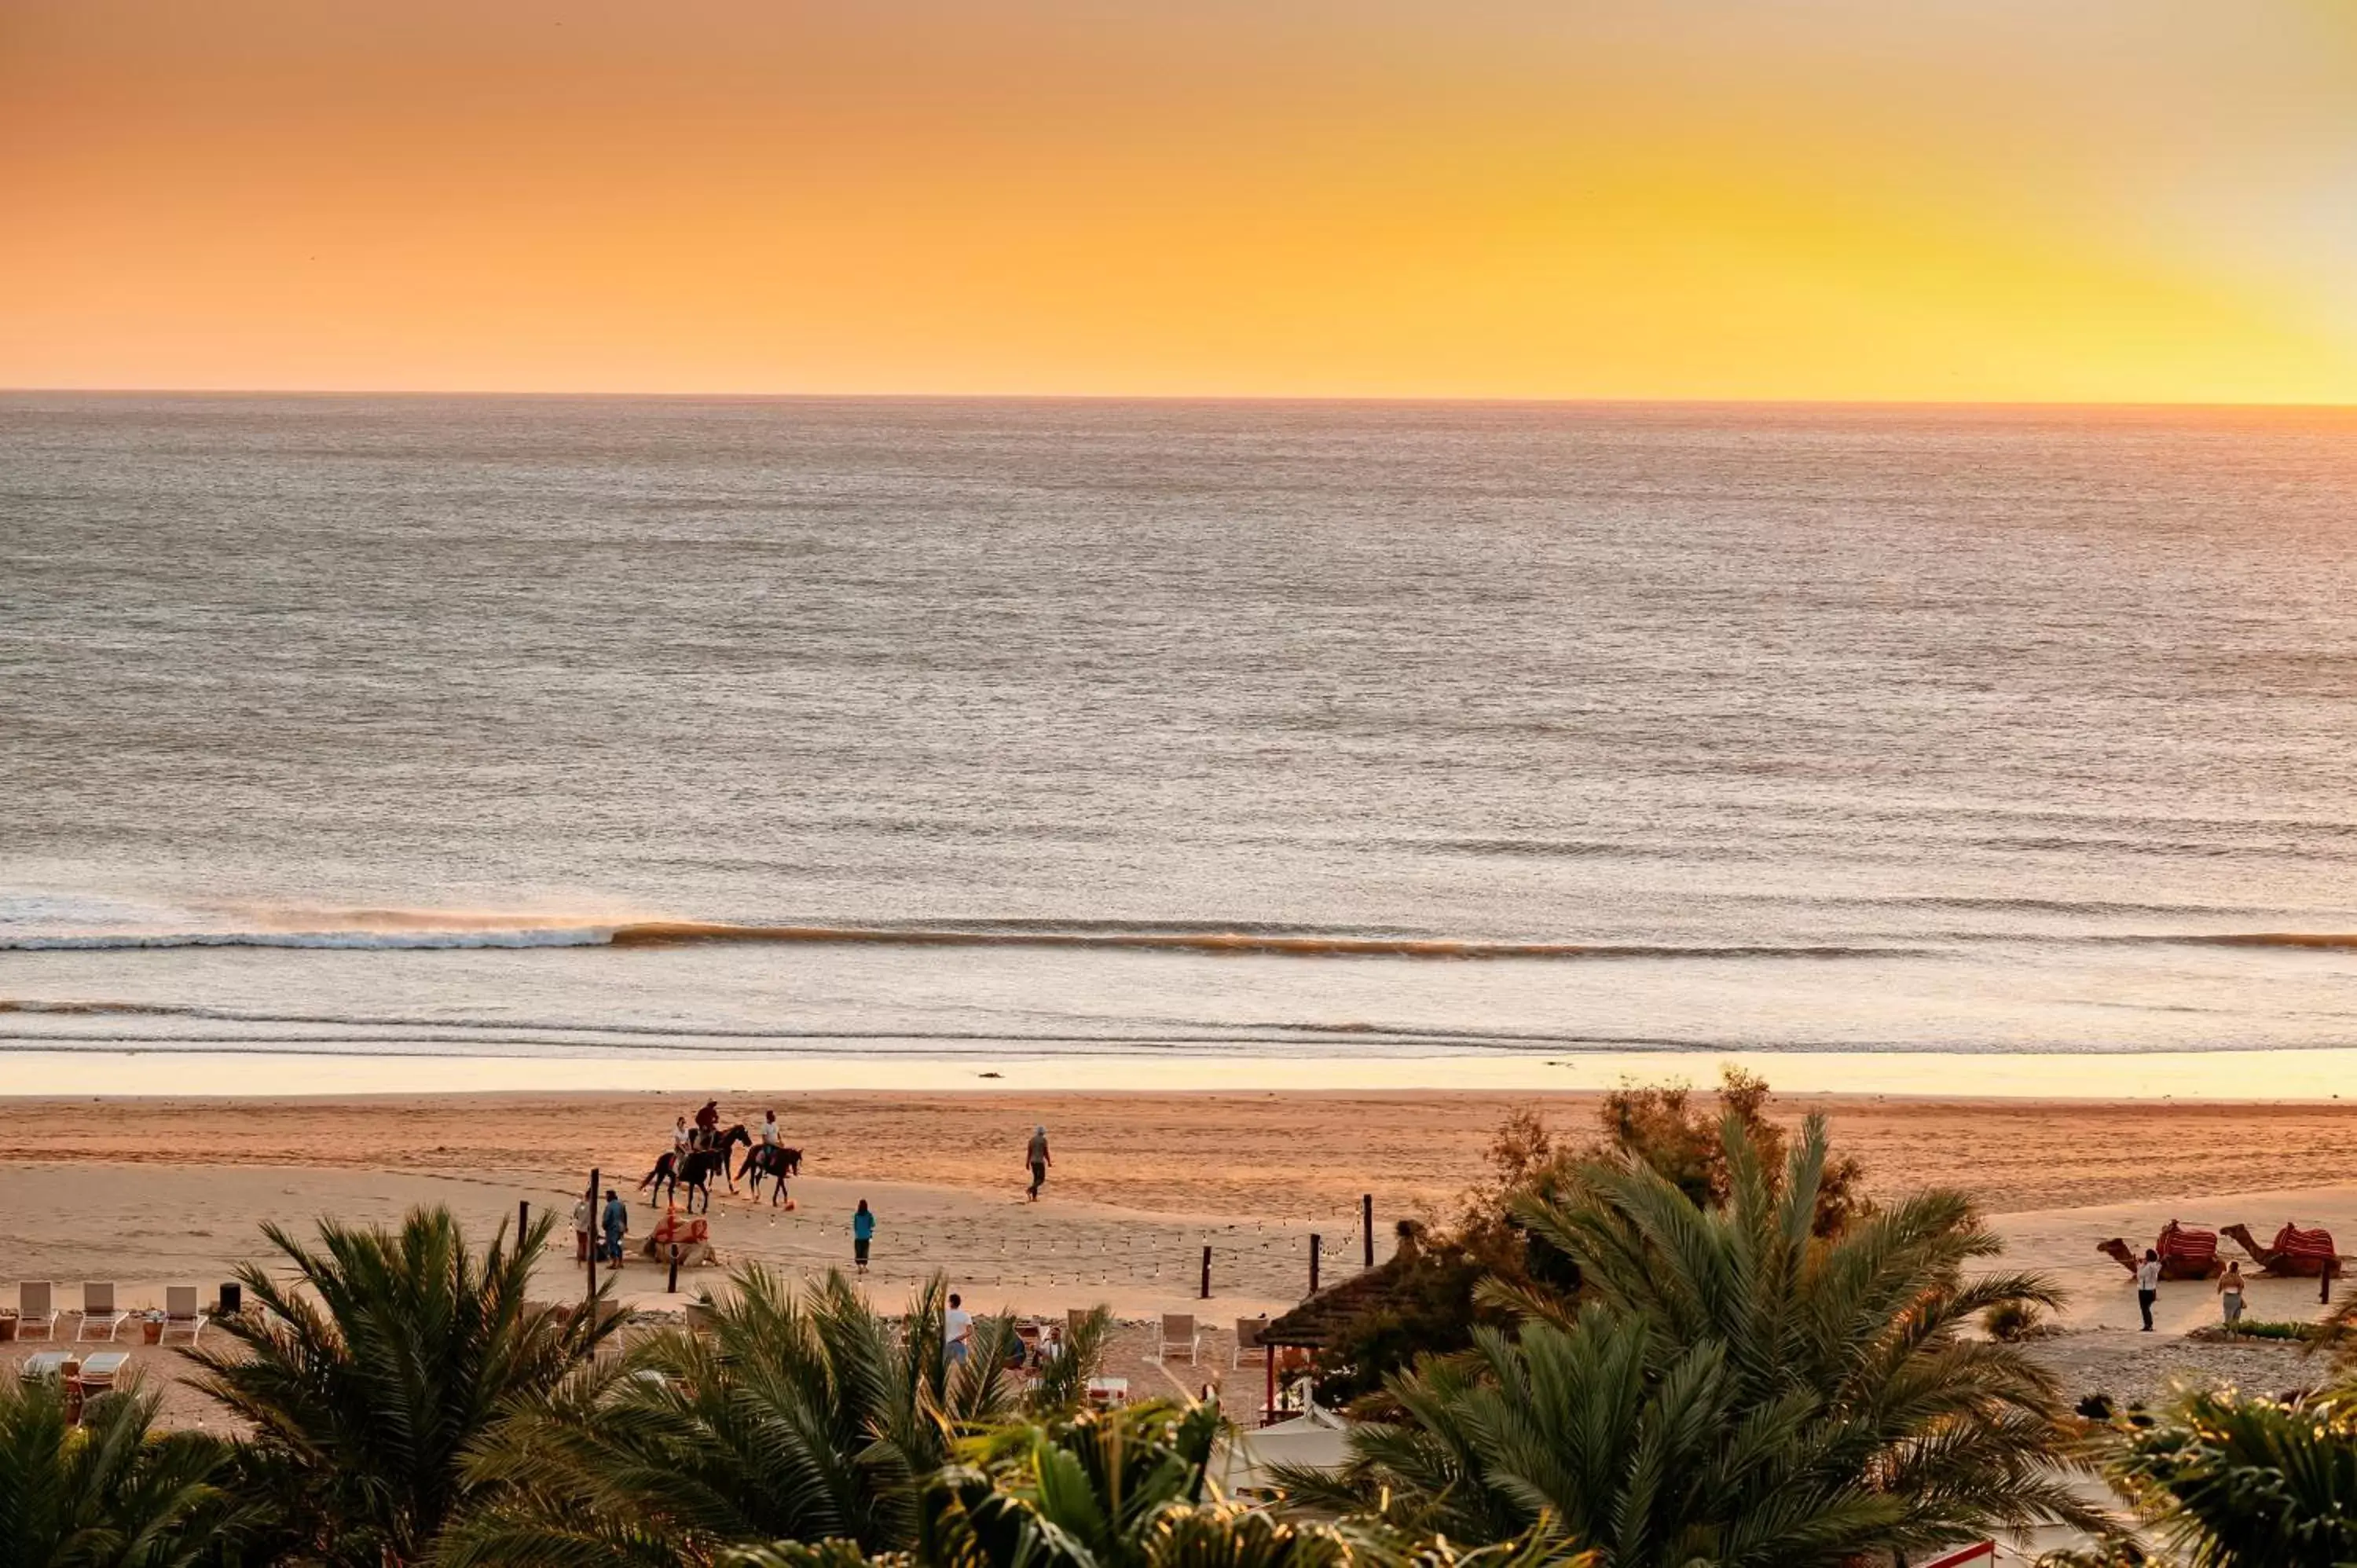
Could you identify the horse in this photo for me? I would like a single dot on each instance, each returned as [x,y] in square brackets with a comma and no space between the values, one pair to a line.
[769,1160]
[694,1170]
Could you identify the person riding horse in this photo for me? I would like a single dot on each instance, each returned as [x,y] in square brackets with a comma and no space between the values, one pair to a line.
[769,1160]
[695,1168]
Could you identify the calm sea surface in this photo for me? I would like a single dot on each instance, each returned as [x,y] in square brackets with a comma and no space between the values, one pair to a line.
[548,727]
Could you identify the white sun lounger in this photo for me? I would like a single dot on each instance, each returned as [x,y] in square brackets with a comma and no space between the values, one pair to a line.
[98,1311]
[180,1313]
[99,1370]
[47,1364]
[37,1309]
[1249,1350]
[1180,1336]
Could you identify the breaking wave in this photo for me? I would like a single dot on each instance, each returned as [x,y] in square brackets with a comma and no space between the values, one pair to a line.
[412,933]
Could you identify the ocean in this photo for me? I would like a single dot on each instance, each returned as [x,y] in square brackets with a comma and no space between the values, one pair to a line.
[773,729]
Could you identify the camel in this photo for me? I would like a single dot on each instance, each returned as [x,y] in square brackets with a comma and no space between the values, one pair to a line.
[2173,1266]
[2305,1253]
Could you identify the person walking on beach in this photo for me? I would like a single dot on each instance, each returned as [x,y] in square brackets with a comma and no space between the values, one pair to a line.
[617,1225]
[2147,1287]
[957,1327]
[584,1216]
[1037,1157]
[2230,1294]
[863,1230]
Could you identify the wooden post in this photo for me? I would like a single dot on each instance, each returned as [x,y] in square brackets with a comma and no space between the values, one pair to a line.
[1315,1241]
[524,1218]
[673,1286]
[1207,1274]
[596,1231]
[1367,1225]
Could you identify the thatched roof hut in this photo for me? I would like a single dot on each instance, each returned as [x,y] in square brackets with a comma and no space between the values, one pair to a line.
[1313,1325]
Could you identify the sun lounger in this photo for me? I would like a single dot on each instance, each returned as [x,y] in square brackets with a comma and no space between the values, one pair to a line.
[35,1310]
[99,1370]
[47,1364]
[1179,1335]
[1249,1350]
[180,1313]
[98,1311]
[1074,1317]
[1108,1393]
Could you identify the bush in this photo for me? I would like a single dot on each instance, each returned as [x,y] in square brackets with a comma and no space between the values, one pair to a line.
[2259,1328]
[2014,1321]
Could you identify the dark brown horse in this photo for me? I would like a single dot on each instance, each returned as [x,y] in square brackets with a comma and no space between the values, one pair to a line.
[694,1169]
[767,1160]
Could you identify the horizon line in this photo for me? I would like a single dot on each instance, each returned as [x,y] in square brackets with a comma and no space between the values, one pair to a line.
[1371,400]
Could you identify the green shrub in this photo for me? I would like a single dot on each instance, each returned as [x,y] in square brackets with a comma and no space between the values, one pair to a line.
[2014,1321]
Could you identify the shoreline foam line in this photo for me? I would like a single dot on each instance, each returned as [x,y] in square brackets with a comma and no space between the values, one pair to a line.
[681,933]
[1244,941]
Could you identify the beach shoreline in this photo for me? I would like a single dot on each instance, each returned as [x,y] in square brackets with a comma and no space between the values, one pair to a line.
[256,1070]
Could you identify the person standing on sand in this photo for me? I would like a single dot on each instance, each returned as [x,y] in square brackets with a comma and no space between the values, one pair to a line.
[1037,1157]
[957,1327]
[617,1225]
[583,1217]
[2230,1294]
[863,1230]
[2147,1287]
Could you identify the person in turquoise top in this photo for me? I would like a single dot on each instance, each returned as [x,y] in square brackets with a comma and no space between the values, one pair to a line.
[863,1230]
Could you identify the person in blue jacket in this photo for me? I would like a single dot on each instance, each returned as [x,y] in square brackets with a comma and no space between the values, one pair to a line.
[863,1230]
[617,1225]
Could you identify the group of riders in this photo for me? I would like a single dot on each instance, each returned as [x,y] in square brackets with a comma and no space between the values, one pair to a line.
[702,1151]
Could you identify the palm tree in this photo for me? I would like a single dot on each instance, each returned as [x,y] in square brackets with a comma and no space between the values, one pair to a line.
[803,1416]
[1062,1386]
[1735,1389]
[2243,1482]
[371,1373]
[110,1494]
[1127,1488]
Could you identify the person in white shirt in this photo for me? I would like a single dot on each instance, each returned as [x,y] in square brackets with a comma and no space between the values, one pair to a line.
[681,1137]
[769,1129]
[2148,1285]
[584,1216]
[957,1327]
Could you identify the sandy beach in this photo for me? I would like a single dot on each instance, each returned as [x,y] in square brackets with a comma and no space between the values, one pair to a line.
[150,1191]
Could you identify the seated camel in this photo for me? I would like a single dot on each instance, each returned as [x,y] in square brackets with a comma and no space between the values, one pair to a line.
[2182,1254]
[2306,1254]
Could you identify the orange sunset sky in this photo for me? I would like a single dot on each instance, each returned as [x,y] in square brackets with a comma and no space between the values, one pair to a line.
[2009,199]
